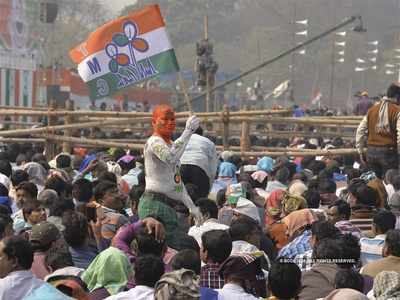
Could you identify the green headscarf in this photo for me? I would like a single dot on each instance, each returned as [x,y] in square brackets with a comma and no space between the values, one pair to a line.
[110,269]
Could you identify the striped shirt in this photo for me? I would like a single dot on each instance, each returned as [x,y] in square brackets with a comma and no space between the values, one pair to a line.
[371,249]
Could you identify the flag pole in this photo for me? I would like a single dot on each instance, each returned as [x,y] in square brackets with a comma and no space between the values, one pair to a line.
[185,92]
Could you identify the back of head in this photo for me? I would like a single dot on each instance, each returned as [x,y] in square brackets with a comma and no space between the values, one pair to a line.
[364,194]
[29,188]
[392,242]
[241,228]
[19,176]
[19,249]
[350,279]
[57,184]
[329,248]
[147,244]
[343,208]
[3,190]
[101,189]
[207,208]
[393,92]
[383,221]
[313,198]
[284,280]
[5,168]
[350,250]
[218,245]
[326,186]
[58,258]
[324,229]
[76,228]
[187,259]
[82,190]
[283,175]
[63,161]
[48,197]
[148,270]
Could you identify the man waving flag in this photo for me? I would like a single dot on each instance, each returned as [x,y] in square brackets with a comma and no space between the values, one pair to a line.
[124,52]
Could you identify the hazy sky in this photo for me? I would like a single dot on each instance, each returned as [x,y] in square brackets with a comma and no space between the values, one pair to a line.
[116,5]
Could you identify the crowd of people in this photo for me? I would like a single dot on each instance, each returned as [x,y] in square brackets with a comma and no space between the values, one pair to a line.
[180,221]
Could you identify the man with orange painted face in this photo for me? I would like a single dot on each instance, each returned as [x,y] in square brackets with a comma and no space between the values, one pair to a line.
[165,193]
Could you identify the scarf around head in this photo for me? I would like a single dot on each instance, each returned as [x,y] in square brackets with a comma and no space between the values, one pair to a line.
[387,285]
[298,219]
[110,269]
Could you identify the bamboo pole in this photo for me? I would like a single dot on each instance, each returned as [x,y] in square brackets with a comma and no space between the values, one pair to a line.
[289,120]
[93,142]
[225,118]
[52,129]
[23,140]
[69,105]
[334,152]
[50,146]
[245,137]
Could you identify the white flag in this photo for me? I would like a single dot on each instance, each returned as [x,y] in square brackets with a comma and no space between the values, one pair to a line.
[303,22]
[373,51]
[342,33]
[302,52]
[305,32]
[361,61]
[342,44]
[341,60]
[373,43]
[389,72]
[373,59]
[389,66]
[341,53]
[280,89]
[373,67]
[360,69]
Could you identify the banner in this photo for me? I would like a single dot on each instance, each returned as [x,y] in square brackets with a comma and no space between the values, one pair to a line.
[124,52]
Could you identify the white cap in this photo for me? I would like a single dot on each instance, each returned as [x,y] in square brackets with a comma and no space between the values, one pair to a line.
[247,208]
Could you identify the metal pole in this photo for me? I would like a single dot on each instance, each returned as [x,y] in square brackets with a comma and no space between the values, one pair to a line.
[333,62]
[207,75]
[347,21]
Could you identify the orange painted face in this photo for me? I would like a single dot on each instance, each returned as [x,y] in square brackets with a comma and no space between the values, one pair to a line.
[164,122]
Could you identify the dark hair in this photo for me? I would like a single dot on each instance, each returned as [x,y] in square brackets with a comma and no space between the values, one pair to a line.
[148,270]
[5,220]
[58,257]
[284,280]
[127,165]
[283,175]
[188,242]
[19,176]
[57,184]
[20,159]
[57,208]
[326,186]
[350,250]
[349,279]
[38,157]
[343,208]
[391,174]
[396,182]
[29,188]
[363,193]
[5,168]
[3,190]
[241,228]
[313,198]
[136,193]
[199,131]
[187,259]
[384,220]
[118,153]
[30,206]
[76,228]
[393,91]
[218,244]
[102,188]
[221,197]
[108,176]
[147,244]
[329,248]
[83,190]
[316,166]
[63,161]
[20,249]
[324,229]
[392,242]
[207,207]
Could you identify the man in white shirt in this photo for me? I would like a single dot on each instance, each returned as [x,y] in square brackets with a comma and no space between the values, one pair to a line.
[16,257]
[209,210]
[199,163]
[165,192]
[148,270]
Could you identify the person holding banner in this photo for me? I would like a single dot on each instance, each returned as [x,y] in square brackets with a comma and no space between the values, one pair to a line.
[165,193]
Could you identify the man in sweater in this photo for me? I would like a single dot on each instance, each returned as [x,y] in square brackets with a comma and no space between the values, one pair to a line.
[379,132]
[165,193]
